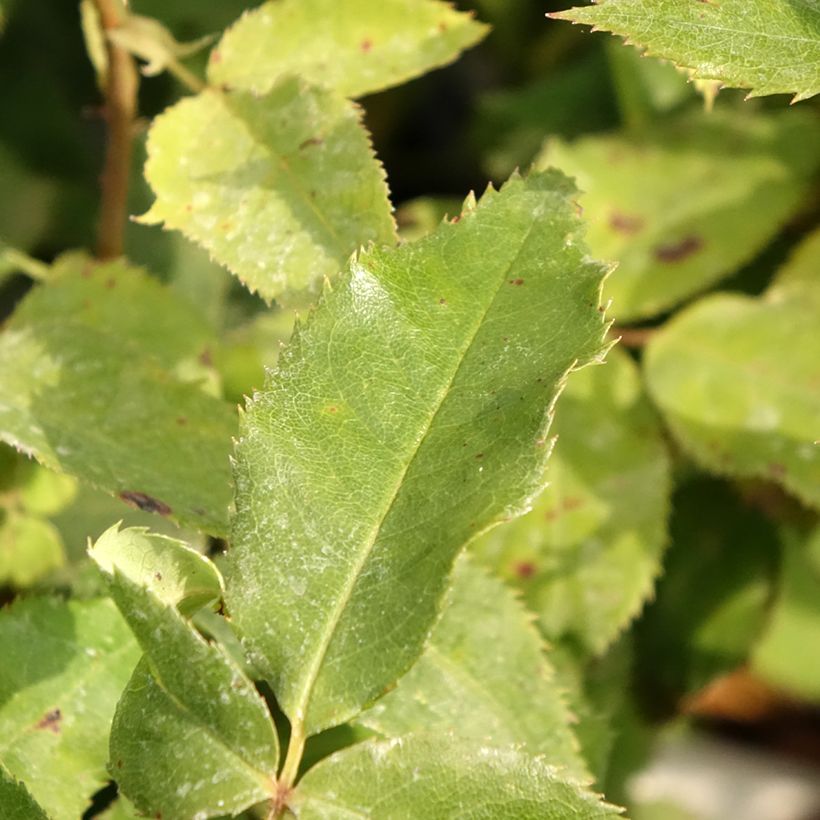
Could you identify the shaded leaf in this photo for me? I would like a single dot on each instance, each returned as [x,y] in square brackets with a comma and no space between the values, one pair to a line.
[787,655]
[678,205]
[734,400]
[711,602]
[191,736]
[769,46]
[483,676]
[409,415]
[86,374]
[280,188]
[587,554]
[435,776]
[64,666]
[355,46]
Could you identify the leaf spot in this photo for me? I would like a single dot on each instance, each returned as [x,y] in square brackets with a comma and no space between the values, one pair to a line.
[625,223]
[678,251]
[366,45]
[145,502]
[518,282]
[50,721]
[524,569]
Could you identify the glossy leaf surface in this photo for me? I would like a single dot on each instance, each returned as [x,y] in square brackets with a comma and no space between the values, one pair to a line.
[91,369]
[587,554]
[677,205]
[423,382]
[353,46]
[191,735]
[768,46]
[736,403]
[281,188]
[483,677]
[64,666]
[433,776]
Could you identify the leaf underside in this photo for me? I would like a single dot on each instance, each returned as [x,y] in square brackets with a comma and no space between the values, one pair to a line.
[423,381]
[767,46]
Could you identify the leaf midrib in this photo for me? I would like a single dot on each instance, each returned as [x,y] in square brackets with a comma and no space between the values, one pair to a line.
[301,704]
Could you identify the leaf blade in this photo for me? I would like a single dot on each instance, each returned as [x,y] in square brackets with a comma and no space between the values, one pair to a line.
[772,47]
[280,188]
[403,330]
[373,47]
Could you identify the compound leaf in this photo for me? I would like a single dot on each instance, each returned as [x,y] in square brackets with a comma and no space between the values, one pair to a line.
[354,46]
[677,209]
[87,371]
[587,554]
[483,676]
[424,380]
[437,776]
[64,666]
[768,46]
[191,736]
[281,188]
[735,402]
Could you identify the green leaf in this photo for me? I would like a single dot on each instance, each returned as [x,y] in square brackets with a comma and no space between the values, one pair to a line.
[768,46]
[587,554]
[173,573]
[787,655]
[15,799]
[191,735]
[64,666]
[735,401]
[29,548]
[711,602]
[355,47]
[678,204]
[280,188]
[89,390]
[484,678]
[409,415]
[436,776]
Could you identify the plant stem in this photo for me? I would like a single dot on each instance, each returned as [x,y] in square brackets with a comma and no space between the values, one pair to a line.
[120,112]
[287,778]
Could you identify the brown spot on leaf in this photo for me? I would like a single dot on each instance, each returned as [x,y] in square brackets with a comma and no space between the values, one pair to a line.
[777,470]
[678,251]
[624,223]
[206,358]
[216,57]
[332,408]
[310,141]
[182,421]
[524,569]
[517,282]
[119,764]
[442,301]
[157,576]
[50,722]
[110,283]
[366,45]
[442,26]
[479,455]
[455,219]
[145,502]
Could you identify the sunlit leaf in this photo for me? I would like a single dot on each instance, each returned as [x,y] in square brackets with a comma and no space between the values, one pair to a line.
[587,555]
[353,46]
[434,776]
[768,46]
[677,205]
[281,188]
[407,416]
